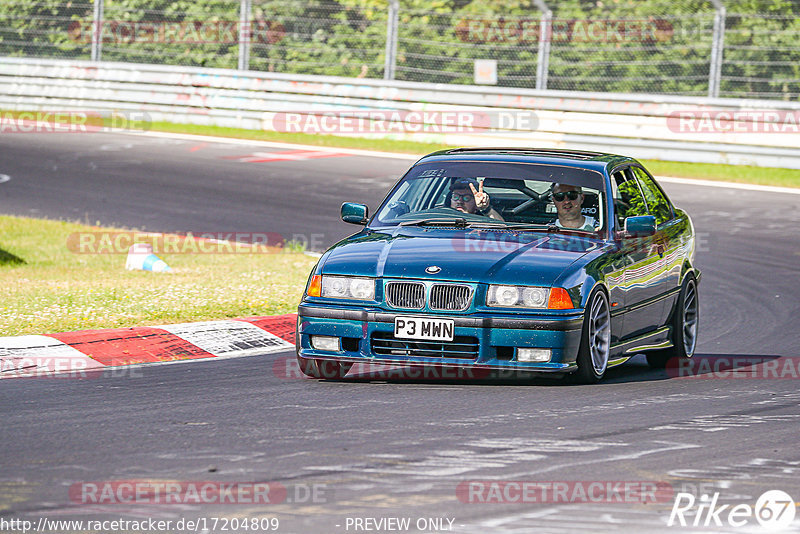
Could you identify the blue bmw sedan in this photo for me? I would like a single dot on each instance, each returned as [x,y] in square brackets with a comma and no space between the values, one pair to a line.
[496,259]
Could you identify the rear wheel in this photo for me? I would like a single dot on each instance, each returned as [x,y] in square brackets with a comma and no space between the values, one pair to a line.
[684,327]
[323,368]
[595,340]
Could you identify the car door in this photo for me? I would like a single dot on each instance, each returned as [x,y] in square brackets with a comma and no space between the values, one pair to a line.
[643,277]
[669,231]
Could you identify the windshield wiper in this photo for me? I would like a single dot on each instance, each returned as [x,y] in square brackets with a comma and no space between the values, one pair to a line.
[533,227]
[460,222]
[549,228]
[487,225]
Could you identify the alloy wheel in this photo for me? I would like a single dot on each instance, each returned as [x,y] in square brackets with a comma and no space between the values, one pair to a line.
[690,319]
[599,334]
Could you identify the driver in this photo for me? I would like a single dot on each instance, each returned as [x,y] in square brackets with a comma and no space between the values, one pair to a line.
[568,200]
[465,198]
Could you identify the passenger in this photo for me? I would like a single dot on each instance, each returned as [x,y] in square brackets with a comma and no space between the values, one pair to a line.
[465,198]
[568,200]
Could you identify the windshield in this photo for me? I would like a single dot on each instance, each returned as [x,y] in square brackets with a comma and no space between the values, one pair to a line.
[469,193]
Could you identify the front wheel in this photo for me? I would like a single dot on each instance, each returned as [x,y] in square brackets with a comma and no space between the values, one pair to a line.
[684,327]
[314,368]
[595,340]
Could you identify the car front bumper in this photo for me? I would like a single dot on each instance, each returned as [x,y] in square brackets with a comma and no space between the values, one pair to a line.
[497,335]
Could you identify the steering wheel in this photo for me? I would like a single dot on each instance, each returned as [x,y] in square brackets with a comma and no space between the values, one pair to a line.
[398,208]
[536,198]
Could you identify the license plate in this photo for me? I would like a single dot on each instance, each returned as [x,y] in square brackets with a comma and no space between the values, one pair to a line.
[424,328]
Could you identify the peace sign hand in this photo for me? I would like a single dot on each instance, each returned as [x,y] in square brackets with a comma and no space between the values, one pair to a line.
[481,198]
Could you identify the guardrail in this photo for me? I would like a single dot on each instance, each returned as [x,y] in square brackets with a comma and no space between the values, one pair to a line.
[766,133]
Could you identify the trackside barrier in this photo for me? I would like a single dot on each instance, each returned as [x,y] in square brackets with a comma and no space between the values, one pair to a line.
[645,126]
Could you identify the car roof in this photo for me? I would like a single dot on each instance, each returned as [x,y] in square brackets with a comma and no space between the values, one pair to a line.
[570,158]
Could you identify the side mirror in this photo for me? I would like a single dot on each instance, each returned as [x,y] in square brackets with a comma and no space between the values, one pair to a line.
[640,226]
[354,213]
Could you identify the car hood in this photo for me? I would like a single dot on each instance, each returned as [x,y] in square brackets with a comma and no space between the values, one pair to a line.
[500,257]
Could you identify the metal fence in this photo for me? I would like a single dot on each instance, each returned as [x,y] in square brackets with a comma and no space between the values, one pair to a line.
[727,48]
[132,95]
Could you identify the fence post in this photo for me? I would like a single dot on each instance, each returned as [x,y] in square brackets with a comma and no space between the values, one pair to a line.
[245,35]
[391,40]
[543,54]
[97,30]
[717,49]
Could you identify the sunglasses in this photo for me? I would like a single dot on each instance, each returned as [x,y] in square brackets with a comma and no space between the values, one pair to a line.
[462,198]
[572,195]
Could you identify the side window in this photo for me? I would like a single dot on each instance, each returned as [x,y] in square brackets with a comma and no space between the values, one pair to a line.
[628,199]
[656,201]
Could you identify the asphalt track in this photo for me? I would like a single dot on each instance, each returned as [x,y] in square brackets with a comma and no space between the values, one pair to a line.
[167,185]
[386,448]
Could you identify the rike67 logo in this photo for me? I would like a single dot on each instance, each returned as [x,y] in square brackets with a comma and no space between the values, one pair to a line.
[773,510]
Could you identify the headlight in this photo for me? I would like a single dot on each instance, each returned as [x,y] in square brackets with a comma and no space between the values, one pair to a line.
[534,297]
[346,287]
[517,296]
[362,288]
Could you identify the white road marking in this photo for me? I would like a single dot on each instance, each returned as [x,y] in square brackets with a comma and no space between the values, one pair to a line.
[771,467]
[717,423]
[472,456]
[414,157]
[659,446]
[543,444]
[4,178]
[571,518]
[270,144]
[604,408]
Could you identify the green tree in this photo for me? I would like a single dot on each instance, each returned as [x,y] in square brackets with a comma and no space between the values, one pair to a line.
[647,46]
[43,28]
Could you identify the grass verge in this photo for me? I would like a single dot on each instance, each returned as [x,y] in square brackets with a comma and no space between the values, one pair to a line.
[744,174]
[44,287]
[705,171]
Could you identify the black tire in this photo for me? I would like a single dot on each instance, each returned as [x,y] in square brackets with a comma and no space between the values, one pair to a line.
[323,368]
[595,339]
[684,327]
